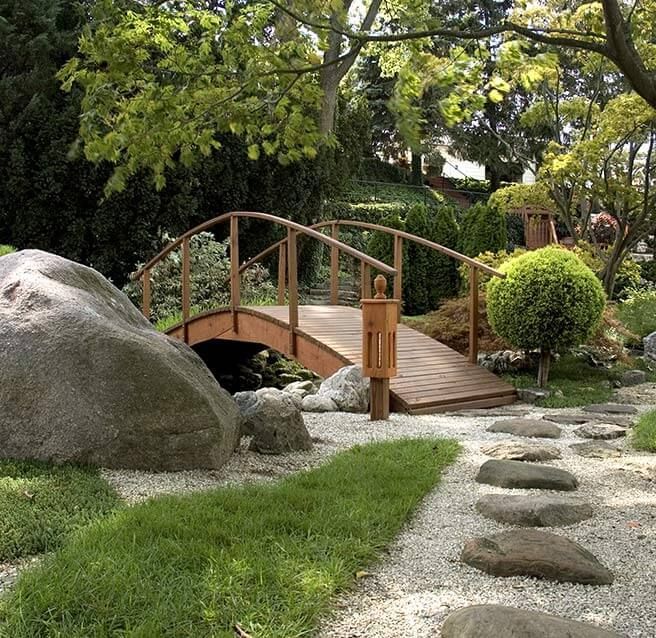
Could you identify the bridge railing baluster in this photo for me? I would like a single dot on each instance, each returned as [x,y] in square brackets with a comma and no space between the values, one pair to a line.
[235,278]
[282,273]
[186,285]
[473,314]
[334,267]
[292,276]
[145,293]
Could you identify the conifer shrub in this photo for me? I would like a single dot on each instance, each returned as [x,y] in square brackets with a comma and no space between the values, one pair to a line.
[483,229]
[548,301]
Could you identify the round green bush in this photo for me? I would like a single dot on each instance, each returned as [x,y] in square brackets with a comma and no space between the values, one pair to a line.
[549,300]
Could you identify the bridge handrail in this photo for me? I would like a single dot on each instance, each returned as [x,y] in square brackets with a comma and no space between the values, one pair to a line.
[305,230]
[390,231]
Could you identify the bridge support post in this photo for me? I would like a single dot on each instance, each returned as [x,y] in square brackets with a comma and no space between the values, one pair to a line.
[379,322]
[473,314]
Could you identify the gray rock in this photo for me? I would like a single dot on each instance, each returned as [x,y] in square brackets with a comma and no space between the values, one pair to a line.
[611,408]
[601,431]
[277,424]
[579,419]
[649,343]
[518,474]
[85,378]
[483,621]
[301,388]
[247,403]
[521,451]
[348,389]
[531,552]
[318,403]
[595,449]
[633,377]
[533,428]
[531,395]
[539,510]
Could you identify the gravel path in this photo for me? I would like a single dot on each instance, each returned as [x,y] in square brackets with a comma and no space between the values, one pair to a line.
[420,580]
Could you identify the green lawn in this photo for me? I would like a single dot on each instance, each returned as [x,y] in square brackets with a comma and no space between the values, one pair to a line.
[643,436]
[579,382]
[41,505]
[266,557]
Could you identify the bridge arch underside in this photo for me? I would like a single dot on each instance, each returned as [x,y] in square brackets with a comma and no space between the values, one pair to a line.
[432,378]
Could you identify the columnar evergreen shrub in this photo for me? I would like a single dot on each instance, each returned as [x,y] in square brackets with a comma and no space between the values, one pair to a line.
[549,300]
[483,229]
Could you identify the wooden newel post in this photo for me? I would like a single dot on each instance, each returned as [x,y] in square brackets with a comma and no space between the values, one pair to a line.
[379,321]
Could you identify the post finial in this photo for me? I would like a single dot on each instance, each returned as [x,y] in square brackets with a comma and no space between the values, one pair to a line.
[380,284]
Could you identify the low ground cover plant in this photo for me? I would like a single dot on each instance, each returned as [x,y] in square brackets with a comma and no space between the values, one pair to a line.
[638,312]
[266,557]
[644,433]
[41,505]
[5,249]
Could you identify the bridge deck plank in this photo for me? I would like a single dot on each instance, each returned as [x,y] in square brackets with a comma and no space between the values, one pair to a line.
[432,377]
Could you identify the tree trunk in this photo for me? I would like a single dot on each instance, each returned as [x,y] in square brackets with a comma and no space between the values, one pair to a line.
[416,176]
[545,364]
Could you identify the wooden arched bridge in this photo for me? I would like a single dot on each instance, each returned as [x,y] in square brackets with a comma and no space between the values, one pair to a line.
[431,377]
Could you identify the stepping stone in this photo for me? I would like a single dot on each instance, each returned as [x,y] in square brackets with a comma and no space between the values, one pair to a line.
[579,419]
[530,552]
[595,449]
[520,451]
[611,408]
[483,621]
[518,474]
[533,428]
[533,511]
[602,431]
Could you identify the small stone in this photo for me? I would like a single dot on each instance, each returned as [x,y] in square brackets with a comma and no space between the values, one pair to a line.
[521,451]
[595,450]
[633,377]
[533,428]
[611,408]
[602,431]
[579,419]
[518,474]
[301,388]
[531,395]
[533,511]
[318,403]
[530,552]
[483,621]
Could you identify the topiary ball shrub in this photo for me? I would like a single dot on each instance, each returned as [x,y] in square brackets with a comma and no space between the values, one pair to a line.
[548,301]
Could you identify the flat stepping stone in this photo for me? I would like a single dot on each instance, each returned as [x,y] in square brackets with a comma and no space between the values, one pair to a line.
[600,431]
[595,450]
[532,428]
[611,408]
[518,474]
[521,451]
[483,621]
[580,419]
[533,511]
[531,552]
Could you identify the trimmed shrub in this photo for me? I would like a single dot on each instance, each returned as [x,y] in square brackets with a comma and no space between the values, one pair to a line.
[210,282]
[483,229]
[377,170]
[517,196]
[549,300]
[494,260]
[443,277]
[516,231]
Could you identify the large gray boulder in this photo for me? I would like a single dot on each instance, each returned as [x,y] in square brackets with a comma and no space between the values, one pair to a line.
[85,378]
[483,621]
[347,389]
[531,552]
[276,423]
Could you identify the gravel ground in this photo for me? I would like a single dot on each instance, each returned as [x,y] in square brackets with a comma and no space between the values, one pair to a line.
[420,579]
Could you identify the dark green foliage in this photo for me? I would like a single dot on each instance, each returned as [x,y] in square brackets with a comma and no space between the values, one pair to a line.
[210,282]
[41,505]
[269,557]
[376,170]
[549,300]
[381,245]
[483,229]
[648,270]
[515,228]
[52,201]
